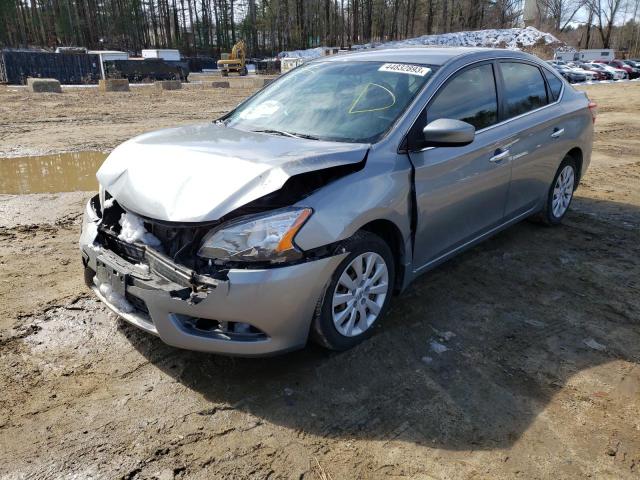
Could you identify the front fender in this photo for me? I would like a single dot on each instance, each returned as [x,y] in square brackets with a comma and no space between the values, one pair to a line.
[380,191]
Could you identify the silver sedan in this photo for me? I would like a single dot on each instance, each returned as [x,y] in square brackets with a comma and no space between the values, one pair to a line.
[300,213]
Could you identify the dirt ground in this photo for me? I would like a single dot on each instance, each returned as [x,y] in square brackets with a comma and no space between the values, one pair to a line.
[518,359]
[85,119]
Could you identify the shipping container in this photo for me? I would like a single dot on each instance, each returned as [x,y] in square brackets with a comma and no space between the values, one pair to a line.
[198,64]
[149,70]
[268,67]
[69,68]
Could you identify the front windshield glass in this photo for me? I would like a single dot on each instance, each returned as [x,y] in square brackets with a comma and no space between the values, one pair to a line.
[337,101]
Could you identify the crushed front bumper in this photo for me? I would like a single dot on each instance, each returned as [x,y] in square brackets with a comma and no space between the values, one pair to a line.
[278,303]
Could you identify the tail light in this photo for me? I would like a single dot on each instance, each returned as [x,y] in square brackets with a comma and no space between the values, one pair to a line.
[593,108]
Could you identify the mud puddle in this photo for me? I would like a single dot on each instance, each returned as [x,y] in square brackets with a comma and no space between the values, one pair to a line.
[64,172]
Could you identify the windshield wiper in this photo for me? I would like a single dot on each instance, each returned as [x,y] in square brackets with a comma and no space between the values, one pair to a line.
[287,134]
[275,132]
[306,136]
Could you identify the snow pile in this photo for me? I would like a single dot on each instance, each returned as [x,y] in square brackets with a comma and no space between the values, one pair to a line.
[510,38]
[133,231]
[566,48]
[309,53]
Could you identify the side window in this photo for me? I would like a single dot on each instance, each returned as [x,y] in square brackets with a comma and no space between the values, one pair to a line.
[555,84]
[470,97]
[524,88]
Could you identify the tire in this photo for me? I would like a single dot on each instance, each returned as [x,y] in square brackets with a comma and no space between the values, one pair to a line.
[344,326]
[552,214]
[224,73]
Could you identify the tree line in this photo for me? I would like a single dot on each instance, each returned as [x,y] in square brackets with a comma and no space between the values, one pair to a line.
[590,23]
[210,27]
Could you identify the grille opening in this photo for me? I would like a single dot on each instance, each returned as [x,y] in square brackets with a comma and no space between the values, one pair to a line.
[137,303]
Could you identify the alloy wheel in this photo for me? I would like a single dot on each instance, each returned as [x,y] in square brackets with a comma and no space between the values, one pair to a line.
[563,191]
[359,294]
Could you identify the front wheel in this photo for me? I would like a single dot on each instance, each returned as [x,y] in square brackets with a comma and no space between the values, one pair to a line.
[561,192]
[357,295]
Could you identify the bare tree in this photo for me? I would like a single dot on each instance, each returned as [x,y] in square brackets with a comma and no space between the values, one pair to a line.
[562,12]
[605,15]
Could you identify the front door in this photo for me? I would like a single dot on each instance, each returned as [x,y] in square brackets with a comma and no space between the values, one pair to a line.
[461,192]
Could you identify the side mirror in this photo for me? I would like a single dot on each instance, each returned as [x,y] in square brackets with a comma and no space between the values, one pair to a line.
[446,132]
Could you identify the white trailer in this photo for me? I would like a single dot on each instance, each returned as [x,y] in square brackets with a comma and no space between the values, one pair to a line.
[570,56]
[586,55]
[107,55]
[597,54]
[164,54]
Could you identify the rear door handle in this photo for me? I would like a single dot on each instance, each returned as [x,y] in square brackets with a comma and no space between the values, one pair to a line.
[557,132]
[499,155]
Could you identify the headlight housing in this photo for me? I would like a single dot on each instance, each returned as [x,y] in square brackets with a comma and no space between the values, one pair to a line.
[261,238]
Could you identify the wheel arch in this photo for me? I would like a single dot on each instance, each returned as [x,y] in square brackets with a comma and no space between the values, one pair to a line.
[576,154]
[391,234]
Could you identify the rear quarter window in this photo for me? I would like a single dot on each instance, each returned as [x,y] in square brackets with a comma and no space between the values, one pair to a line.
[555,85]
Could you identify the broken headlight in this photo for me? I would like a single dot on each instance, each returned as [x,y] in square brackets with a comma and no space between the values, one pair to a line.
[267,237]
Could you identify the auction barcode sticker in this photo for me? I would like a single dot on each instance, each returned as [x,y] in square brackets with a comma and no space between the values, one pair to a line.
[404,68]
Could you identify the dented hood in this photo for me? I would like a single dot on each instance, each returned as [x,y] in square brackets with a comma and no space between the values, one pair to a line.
[202,172]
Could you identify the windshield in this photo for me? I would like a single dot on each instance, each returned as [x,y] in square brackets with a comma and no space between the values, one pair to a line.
[337,101]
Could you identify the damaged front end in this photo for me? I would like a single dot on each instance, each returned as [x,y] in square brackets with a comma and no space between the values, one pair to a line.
[157,276]
[116,266]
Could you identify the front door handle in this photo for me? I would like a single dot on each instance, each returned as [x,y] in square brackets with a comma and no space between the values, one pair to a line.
[499,155]
[557,132]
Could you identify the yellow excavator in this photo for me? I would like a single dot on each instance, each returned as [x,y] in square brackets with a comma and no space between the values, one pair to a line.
[235,62]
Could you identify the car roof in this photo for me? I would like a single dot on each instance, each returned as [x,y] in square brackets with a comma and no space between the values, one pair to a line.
[418,54]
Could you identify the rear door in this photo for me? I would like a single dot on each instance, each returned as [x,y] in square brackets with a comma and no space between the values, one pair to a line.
[530,110]
[461,191]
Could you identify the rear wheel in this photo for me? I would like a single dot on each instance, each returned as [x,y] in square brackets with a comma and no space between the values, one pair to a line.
[357,295]
[561,192]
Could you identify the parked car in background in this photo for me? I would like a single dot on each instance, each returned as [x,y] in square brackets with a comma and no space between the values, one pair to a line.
[635,66]
[301,212]
[598,75]
[597,67]
[569,74]
[590,76]
[618,73]
[632,72]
